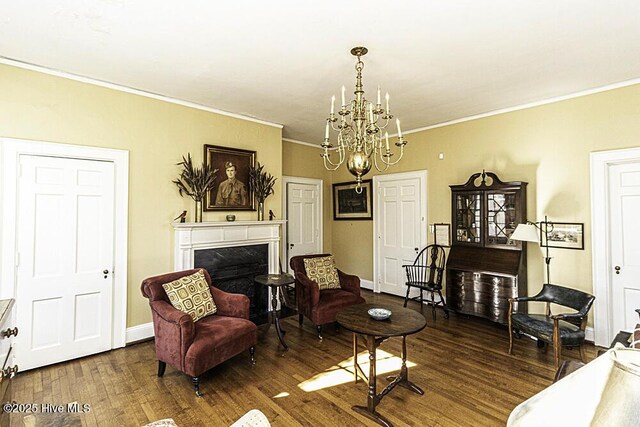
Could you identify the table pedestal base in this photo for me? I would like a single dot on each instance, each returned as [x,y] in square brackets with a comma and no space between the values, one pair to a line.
[280,331]
[275,282]
[373,398]
[374,416]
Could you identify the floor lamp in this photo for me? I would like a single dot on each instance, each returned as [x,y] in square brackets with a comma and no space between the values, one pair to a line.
[529,233]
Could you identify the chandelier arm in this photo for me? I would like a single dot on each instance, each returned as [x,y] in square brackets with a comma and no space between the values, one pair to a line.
[390,163]
[328,162]
[327,157]
[378,168]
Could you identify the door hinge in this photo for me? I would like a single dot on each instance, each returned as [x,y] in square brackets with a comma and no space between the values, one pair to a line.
[17,259]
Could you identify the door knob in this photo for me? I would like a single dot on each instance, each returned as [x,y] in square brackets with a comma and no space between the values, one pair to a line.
[416,249]
[105,272]
[9,332]
[291,245]
[617,268]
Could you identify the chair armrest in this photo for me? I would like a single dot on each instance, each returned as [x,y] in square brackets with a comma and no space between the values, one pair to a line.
[349,282]
[168,313]
[310,287]
[567,316]
[174,333]
[232,305]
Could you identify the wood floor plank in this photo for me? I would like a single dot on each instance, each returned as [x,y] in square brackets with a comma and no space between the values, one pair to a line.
[461,363]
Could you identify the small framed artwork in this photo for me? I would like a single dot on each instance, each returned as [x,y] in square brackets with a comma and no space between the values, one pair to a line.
[231,191]
[565,235]
[349,205]
[442,234]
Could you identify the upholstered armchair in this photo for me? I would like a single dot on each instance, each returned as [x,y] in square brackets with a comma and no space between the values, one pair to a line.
[195,347]
[319,306]
[566,329]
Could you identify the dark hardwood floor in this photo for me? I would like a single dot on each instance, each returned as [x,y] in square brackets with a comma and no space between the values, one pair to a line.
[461,363]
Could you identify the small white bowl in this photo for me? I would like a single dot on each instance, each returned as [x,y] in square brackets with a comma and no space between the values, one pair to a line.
[379,313]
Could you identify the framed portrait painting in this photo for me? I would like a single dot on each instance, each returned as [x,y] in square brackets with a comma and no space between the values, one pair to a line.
[231,191]
[349,205]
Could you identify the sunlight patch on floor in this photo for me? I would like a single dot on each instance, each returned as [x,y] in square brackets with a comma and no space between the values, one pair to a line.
[279,395]
[343,371]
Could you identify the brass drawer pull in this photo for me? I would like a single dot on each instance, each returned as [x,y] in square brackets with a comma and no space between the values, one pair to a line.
[8,332]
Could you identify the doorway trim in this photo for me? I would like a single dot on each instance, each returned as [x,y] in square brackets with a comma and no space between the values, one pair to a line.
[10,152]
[422,176]
[284,249]
[600,252]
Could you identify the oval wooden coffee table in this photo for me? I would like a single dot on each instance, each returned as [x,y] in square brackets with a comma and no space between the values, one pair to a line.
[402,322]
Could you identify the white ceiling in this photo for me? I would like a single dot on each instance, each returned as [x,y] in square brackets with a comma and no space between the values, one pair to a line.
[281,60]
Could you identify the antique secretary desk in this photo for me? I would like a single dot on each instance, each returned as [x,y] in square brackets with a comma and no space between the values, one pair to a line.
[485,267]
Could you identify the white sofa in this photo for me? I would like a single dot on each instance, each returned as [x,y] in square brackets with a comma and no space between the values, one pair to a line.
[605,392]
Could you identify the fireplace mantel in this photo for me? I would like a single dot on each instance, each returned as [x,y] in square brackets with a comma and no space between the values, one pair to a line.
[191,236]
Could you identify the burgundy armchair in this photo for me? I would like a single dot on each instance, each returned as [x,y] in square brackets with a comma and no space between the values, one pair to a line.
[195,347]
[322,306]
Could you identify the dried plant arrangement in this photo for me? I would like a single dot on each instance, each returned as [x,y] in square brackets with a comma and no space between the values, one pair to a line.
[262,183]
[195,182]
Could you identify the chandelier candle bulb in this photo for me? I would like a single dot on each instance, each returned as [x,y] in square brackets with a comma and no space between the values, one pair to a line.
[399,130]
[371,113]
[333,103]
[386,137]
[378,95]
[326,132]
[386,97]
[343,99]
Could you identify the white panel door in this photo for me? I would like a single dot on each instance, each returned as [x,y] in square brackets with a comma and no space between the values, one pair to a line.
[624,191]
[303,219]
[398,230]
[65,236]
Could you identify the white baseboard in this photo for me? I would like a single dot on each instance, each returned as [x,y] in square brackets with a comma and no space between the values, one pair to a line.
[140,332]
[366,284]
[589,334]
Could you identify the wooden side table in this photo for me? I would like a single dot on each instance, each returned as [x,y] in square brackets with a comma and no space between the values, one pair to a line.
[402,322]
[275,282]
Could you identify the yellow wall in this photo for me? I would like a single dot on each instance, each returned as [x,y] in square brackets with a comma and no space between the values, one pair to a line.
[548,146]
[156,133]
[304,161]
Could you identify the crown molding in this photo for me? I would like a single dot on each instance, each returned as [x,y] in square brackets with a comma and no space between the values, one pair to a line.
[121,88]
[294,141]
[83,79]
[529,105]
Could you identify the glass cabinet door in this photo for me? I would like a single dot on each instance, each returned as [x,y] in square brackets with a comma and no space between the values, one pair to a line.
[468,219]
[501,218]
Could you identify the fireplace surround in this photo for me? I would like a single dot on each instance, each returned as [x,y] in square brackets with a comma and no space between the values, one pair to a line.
[233,253]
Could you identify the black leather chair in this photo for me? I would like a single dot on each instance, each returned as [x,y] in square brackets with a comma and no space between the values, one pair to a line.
[566,329]
[426,274]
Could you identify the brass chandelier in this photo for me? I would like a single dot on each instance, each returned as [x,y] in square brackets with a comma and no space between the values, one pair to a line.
[359,132]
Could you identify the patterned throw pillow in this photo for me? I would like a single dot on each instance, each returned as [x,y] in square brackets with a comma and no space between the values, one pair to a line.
[191,295]
[323,271]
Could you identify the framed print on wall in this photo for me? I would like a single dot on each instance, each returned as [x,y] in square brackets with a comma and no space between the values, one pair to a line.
[565,235]
[442,234]
[349,205]
[231,191]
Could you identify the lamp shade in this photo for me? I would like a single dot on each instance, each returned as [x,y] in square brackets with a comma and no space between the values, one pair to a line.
[526,233]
